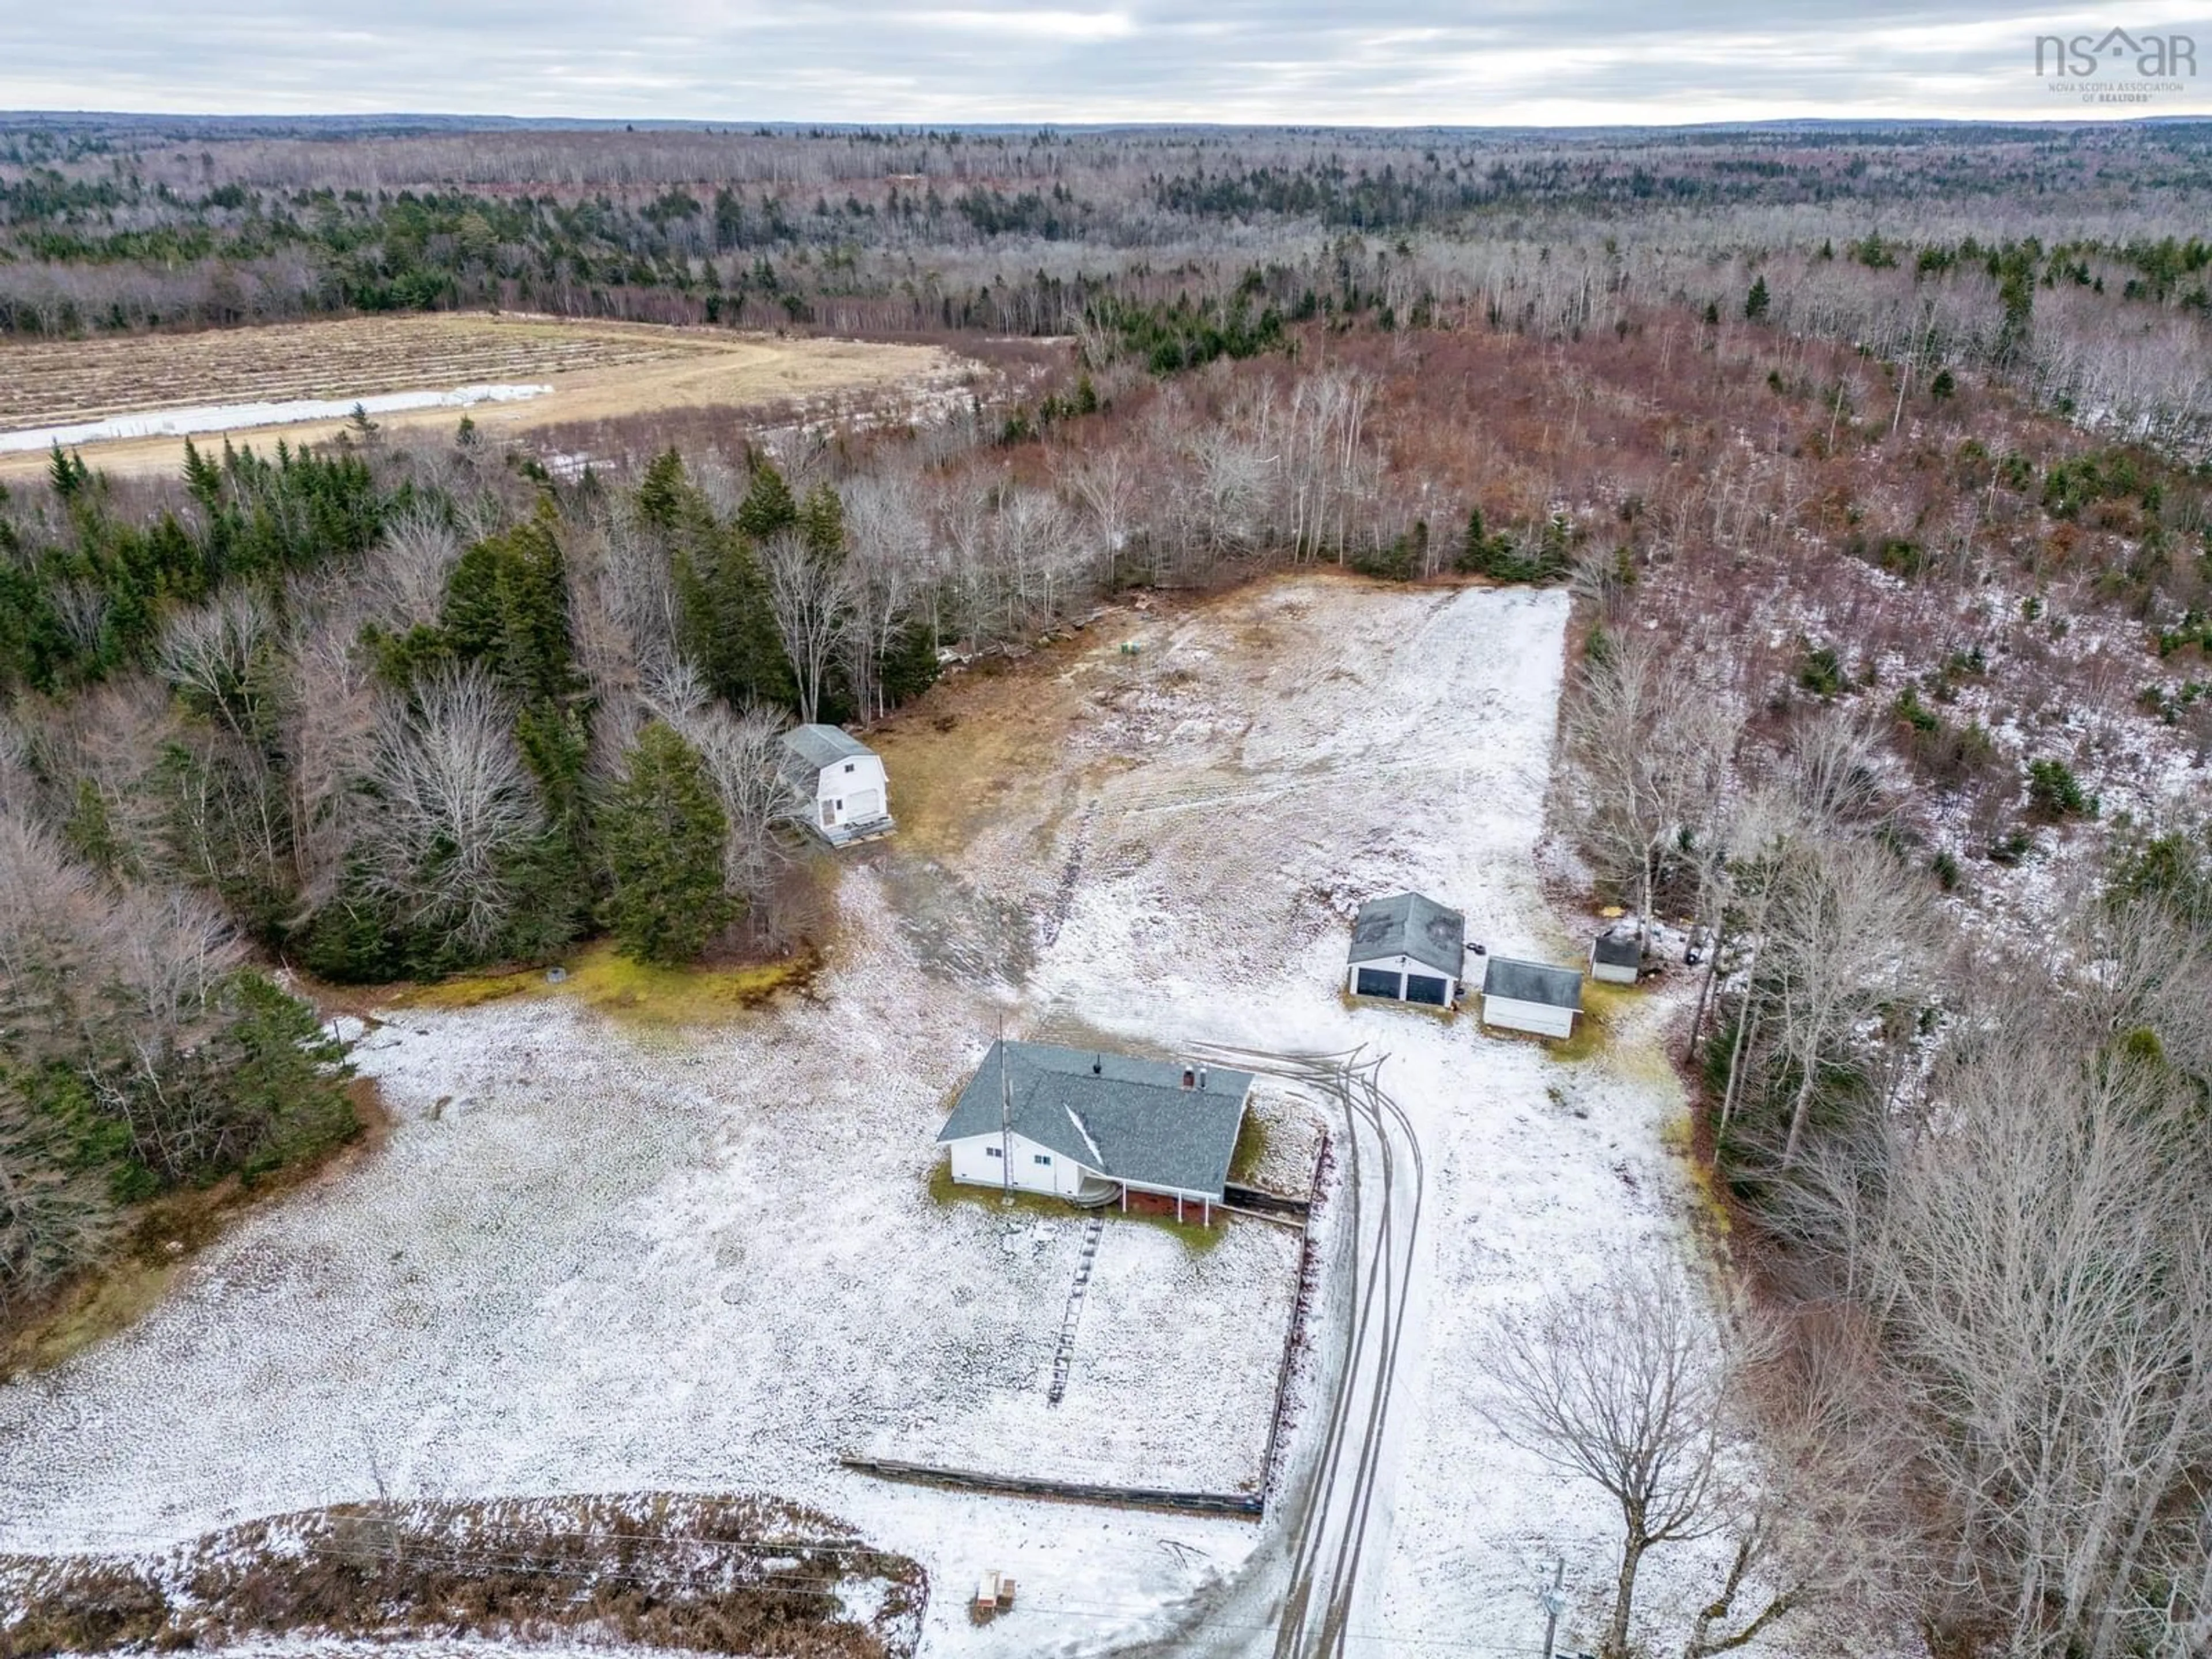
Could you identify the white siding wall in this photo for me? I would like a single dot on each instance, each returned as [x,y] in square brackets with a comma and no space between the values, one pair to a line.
[1611,974]
[975,1163]
[1402,966]
[1540,1018]
[836,784]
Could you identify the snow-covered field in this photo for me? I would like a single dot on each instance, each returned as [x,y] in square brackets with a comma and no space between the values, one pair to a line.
[231,417]
[592,1258]
[1201,1333]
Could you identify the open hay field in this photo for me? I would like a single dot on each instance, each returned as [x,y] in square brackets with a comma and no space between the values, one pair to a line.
[596,371]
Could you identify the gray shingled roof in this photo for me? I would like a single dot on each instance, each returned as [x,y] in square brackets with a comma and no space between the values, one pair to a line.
[820,745]
[1534,982]
[1408,925]
[1131,1119]
[1619,949]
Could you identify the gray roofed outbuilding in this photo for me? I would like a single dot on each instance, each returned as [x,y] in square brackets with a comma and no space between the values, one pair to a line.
[1618,948]
[823,745]
[1129,1119]
[1409,925]
[1532,981]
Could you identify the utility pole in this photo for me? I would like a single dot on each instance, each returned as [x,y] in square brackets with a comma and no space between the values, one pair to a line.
[1555,1602]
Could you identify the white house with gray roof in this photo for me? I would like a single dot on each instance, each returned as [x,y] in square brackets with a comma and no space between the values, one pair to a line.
[1092,1127]
[839,791]
[1531,996]
[1409,949]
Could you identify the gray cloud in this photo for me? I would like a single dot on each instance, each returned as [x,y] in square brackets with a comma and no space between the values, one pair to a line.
[1392,62]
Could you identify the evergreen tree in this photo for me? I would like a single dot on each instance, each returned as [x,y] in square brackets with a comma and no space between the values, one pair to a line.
[767,506]
[909,667]
[507,605]
[202,479]
[727,627]
[664,497]
[66,471]
[663,831]
[506,608]
[1756,301]
[822,524]
[273,1078]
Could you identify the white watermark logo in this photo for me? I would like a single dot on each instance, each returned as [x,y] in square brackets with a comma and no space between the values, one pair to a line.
[2118,66]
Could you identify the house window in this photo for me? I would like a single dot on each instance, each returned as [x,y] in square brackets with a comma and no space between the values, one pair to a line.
[849,766]
[1042,1158]
[994,1151]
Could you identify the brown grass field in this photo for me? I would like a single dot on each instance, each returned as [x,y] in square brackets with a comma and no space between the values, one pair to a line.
[599,371]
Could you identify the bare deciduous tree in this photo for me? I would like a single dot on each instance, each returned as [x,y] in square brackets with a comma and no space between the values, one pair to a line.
[1834,770]
[1850,934]
[1650,748]
[403,578]
[811,599]
[1625,1384]
[889,563]
[2043,1258]
[1105,484]
[328,714]
[217,656]
[454,802]
[741,751]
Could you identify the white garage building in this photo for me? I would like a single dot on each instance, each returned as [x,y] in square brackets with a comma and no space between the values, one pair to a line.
[1093,1127]
[839,791]
[1409,949]
[1531,996]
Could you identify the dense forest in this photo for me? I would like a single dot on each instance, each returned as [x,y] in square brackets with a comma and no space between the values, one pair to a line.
[1930,244]
[1875,460]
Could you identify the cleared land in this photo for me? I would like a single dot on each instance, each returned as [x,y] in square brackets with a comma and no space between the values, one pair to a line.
[598,371]
[600,1253]
[1175,1351]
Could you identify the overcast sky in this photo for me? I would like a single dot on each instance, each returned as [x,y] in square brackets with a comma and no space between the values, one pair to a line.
[1367,62]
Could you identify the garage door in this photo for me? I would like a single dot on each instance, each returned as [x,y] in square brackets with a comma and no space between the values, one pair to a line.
[1419,987]
[1374,982]
[863,803]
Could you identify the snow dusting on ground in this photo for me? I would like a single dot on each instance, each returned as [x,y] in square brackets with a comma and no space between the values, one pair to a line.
[594,1257]
[231,417]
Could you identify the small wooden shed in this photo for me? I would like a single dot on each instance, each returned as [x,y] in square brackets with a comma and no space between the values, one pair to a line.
[839,792]
[1616,956]
[1537,997]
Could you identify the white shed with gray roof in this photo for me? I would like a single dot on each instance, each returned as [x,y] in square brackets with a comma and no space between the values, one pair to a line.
[1408,948]
[1531,996]
[839,791]
[1616,956]
[1092,1127]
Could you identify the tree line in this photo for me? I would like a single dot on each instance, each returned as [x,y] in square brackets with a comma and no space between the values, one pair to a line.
[1971,1400]
[376,721]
